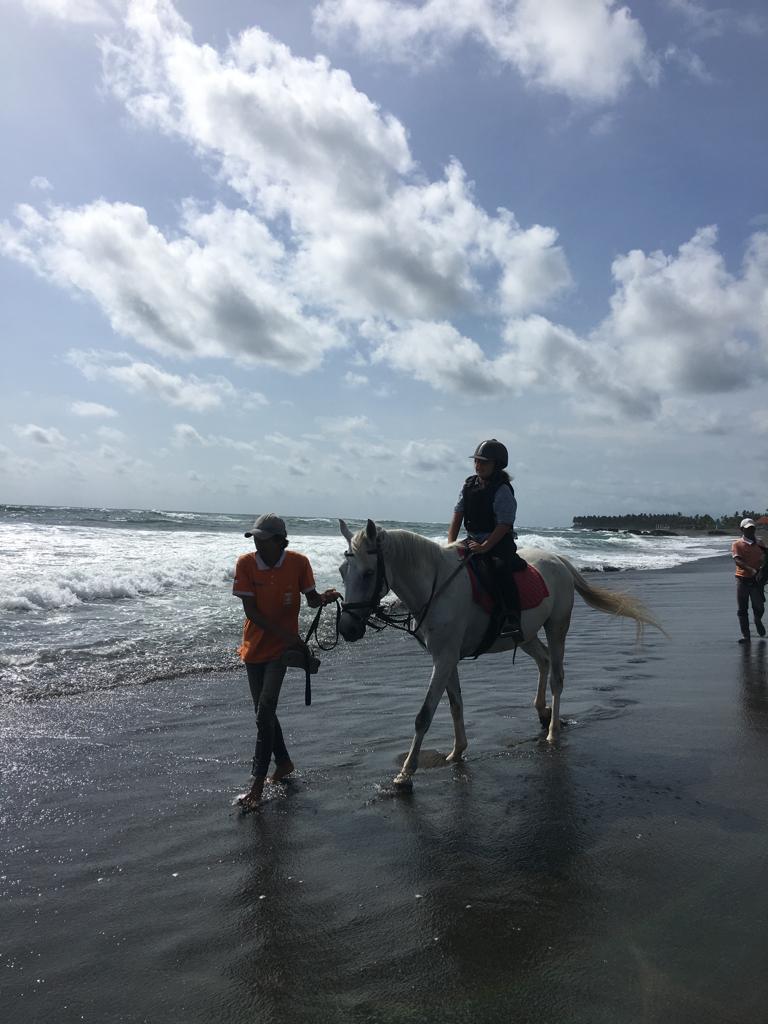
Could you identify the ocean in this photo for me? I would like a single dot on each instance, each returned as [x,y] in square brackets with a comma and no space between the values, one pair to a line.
[95,598]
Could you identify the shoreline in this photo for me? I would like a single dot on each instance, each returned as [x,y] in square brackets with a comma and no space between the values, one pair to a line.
[602,873]
[598,577]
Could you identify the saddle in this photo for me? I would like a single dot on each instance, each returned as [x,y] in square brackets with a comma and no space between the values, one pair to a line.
[531,590]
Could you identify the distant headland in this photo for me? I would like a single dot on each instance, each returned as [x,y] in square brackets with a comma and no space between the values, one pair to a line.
[660,524]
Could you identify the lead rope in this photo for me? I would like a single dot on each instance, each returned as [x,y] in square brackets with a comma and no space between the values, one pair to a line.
[312,631]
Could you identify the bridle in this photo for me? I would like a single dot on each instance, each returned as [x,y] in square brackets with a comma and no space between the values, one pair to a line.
[372,606]
[376,617]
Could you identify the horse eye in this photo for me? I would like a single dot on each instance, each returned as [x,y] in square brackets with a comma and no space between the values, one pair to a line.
[368,573]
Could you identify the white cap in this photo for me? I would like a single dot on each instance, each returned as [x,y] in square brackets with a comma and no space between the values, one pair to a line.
[746,523]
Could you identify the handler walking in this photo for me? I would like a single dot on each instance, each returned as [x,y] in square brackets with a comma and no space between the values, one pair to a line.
[748,554]
[270,582]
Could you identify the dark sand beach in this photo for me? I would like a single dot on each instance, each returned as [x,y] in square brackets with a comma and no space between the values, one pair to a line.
[621,876]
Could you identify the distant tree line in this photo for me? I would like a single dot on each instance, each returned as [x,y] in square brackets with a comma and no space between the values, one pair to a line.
[665,521]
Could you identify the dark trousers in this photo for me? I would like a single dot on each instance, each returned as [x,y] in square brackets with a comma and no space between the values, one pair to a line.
[504,561]
[749,591]
[265,680]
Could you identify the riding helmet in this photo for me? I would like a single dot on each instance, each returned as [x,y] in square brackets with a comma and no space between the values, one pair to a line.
[492,451]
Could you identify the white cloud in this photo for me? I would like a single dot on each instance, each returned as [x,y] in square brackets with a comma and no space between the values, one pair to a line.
[678,325]
[91,409]
[355,380]
[690,62]
[49,437]
[13,466]
[111,434]
[298,140]
[536,353]
[40,183]
[185,435]
[554,358]
[437,354]
[275,119]
[318,162]
[216,290]
[343,424]
[367,450]
[589,50]
[427,457]
[344,230]
[190,392]
[684,323]
[83,12]
[717,21]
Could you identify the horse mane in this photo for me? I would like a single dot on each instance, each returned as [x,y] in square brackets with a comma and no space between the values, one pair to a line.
[404,544]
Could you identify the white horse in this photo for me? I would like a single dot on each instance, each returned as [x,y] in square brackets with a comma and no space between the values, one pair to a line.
[429,579]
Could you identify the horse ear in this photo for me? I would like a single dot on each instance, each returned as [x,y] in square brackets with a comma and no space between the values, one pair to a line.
[346,533]
[370,530]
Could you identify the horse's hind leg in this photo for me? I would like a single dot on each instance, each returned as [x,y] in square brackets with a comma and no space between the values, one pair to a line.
[536,649]
[457,714]
[556,633]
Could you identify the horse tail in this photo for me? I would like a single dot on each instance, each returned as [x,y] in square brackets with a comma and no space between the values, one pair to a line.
[614,602]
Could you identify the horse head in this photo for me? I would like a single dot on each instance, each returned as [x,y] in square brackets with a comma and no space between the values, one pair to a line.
[365,582]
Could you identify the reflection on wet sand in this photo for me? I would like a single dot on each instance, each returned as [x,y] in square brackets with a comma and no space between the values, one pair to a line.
[753,677]
[500,890]
[284,964]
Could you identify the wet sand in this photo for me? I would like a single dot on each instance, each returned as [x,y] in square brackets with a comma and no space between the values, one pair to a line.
[618,877]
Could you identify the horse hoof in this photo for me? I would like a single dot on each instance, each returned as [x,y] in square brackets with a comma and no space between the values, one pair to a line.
[403,782]
[545,717]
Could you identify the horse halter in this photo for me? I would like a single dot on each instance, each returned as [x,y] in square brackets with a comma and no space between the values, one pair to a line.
[380,587]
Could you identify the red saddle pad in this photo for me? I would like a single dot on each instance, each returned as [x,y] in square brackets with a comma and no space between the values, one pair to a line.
[530,586]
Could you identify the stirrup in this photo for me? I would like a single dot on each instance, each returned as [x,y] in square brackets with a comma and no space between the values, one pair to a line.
[512,631]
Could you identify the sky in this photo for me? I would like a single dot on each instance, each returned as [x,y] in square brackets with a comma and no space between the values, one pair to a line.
[304,256]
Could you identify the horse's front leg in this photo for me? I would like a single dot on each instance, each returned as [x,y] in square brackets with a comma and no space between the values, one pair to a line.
[457,714]
[441,674]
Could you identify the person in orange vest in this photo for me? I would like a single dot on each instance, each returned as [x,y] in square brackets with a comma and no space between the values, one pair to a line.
[270,582]
[748,554]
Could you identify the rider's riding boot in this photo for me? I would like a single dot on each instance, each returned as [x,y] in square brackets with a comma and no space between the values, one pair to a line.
[759,626]
[511,626]
[513,630]
[510,602]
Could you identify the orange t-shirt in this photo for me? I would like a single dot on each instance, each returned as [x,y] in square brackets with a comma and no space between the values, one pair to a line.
[752,554]
[277,591]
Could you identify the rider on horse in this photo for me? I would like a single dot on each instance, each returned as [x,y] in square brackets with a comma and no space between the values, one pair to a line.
[487,507]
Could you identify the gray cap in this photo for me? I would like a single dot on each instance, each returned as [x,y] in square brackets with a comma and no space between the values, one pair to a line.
[266,526]
[746,523]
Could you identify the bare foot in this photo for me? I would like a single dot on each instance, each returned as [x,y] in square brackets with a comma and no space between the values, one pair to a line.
[281,770]
[250,801]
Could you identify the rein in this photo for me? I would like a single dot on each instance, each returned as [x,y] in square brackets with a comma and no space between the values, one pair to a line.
[312,632]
